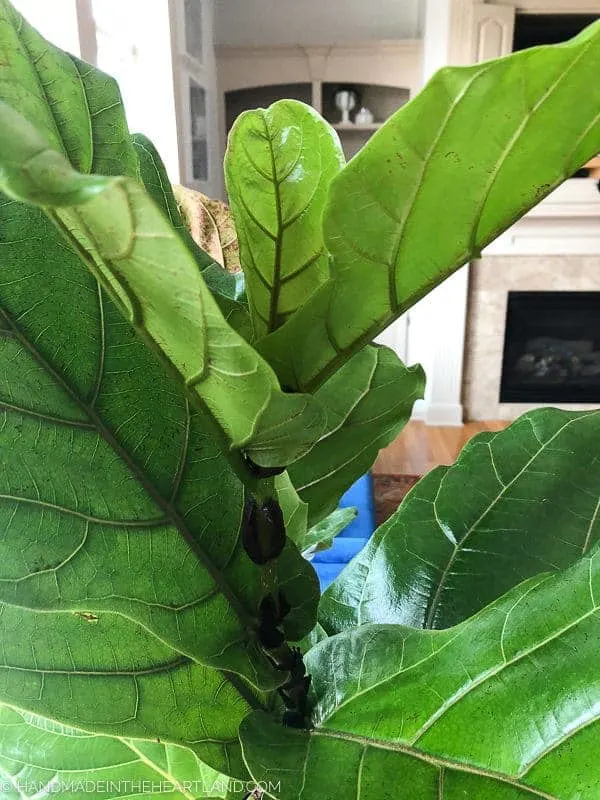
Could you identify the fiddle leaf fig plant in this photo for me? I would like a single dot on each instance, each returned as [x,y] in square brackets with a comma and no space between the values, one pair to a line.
[172,444]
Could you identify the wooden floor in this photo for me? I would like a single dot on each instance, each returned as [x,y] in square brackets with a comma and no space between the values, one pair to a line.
[421,447]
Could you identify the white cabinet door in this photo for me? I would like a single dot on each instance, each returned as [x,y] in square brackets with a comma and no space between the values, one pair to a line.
[493,30]
[196,82]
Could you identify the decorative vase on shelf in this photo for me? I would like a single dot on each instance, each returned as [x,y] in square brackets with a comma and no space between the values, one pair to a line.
[345,101]
[364,117]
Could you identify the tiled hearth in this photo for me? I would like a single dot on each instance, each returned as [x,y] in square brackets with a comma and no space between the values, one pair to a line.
[491,279]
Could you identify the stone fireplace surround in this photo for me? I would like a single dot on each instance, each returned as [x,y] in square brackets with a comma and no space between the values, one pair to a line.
[491,278]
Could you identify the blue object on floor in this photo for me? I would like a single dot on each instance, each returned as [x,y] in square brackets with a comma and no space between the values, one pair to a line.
[329,563]
[360,496]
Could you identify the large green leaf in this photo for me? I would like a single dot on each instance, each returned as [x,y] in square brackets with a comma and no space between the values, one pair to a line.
[58,93]
[121,579]
[445,176]
[368,401]
[128,605]
[516,503]
[131,247]
[279,164]
[502,707]
[42,759]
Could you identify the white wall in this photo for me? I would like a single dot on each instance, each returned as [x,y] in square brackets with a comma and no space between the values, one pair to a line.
[55,20]
[242,23]
[134,46]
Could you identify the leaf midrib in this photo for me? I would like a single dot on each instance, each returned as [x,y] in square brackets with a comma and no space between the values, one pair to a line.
[167,666]
[278,282]
[437,761]
[276,288]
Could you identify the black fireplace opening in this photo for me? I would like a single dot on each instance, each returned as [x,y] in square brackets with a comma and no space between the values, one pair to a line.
[551,348]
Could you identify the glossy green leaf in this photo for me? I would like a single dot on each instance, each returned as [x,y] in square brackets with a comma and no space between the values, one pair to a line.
[279,164]
[41,759]
[516,503]
[368,401]
[443,177]
[222,284]
[322,534]
[503,706]
[131,248]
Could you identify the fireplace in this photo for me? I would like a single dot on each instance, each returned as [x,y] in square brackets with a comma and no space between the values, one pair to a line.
[551,348]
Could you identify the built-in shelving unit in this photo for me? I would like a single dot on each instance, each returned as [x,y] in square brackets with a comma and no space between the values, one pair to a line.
[384,76]
[381,101]
[239,100]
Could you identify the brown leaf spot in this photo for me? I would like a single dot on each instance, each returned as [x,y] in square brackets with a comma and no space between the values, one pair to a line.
[87,616]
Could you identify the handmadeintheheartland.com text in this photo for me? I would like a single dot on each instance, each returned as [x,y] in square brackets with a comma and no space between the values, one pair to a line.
[127,788]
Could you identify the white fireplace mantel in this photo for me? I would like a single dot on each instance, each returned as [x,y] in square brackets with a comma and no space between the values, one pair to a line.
[567,222]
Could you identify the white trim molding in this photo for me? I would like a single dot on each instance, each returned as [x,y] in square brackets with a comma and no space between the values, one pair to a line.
[387,63]
[551,6]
